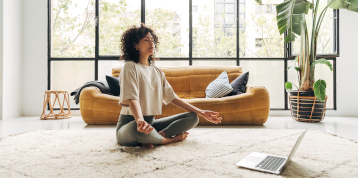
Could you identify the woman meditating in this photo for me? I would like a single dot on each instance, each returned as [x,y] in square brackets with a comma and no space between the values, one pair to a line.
[143,90]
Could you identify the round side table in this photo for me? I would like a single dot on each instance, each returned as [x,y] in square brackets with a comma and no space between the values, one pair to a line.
[61,114]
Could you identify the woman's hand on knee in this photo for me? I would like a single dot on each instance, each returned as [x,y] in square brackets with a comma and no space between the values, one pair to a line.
[144,127]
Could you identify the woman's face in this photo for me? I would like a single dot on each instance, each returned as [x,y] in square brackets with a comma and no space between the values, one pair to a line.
[146,45]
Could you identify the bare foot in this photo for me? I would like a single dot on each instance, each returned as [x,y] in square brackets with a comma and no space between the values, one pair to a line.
[161,133]
[147,145]
[177,138]
[181,137]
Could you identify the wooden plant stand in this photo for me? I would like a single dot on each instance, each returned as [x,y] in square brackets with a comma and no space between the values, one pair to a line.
[61,114]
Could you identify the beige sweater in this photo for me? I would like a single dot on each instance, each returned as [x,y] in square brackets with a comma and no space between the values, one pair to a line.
[148,85]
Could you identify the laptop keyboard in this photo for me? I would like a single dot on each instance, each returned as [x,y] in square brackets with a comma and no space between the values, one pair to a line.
[270,163]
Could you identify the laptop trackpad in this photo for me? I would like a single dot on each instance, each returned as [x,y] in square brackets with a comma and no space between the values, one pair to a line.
[253,159]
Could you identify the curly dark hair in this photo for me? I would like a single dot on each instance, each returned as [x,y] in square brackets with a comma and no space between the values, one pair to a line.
[134,35]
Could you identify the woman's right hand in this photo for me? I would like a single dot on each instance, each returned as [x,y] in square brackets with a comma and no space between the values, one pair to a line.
[211,116]
[144,127]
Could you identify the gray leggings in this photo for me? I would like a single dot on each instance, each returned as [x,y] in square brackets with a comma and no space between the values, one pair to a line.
[127,134]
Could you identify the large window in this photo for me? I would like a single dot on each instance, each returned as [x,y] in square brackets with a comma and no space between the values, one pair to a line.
[114,18]
[84,40]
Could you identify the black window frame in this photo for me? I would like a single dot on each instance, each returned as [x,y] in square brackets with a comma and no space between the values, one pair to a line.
[287,50]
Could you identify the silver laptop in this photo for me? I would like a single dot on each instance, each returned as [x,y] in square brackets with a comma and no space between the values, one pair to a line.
[269,163]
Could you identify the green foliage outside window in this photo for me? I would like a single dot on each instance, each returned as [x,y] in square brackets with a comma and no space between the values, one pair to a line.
[208,41]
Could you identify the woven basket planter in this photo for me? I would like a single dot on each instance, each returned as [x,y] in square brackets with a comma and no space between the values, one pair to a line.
[305,107]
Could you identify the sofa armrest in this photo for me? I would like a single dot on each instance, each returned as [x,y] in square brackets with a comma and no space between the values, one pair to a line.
[261,95]
[97,107]
[261,102]
[256,89]
[86,103]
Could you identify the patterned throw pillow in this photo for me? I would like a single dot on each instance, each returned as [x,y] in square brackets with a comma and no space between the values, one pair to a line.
[219,87]
[239,84]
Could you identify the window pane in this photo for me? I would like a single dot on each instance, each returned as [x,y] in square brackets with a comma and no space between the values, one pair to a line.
[219,18]
[325,42]
[214,29]
[219,7]
[241,21]
[171,63]
[230,18]
[195,9]
[321,72]
[259,23]
[70,75]
[105,68]
[170,21]
[229,8]
[270,74]
[214,62]
[114,18]
[72,28]
[242,8]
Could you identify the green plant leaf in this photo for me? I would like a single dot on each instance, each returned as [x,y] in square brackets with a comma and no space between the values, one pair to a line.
[351,5]
[353,8]
[288,86]
[301,7]
[289,17]
[320,90]
[336,4]
[323,61]
[354,3]
[296,25]
[293,66]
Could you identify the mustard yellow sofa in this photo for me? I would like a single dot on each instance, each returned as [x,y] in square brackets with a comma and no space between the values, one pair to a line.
[189,83]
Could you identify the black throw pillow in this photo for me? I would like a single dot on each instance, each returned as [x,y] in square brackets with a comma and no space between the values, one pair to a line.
[113,83]
[239,84]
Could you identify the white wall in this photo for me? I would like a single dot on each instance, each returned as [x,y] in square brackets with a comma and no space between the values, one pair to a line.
[347,63]
[35,62]
[12,59]
[1,56]
[35,57]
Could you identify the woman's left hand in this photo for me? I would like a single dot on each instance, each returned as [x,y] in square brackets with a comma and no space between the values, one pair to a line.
[211,116]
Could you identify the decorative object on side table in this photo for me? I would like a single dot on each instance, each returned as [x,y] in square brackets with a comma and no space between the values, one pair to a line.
[291,19]
[61,114]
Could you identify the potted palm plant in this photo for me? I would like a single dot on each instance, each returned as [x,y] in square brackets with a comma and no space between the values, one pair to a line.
[308,102]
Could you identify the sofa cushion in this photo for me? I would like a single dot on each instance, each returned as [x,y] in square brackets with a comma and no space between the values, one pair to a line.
[219,87]
[239,84]
[113,83]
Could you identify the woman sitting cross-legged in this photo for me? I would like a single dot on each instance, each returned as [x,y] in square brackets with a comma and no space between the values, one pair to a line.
[144,88]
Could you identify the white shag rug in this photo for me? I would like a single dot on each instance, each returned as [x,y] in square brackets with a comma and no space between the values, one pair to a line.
[210,152]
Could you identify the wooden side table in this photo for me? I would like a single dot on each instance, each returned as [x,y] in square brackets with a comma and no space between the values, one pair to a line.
[52,115]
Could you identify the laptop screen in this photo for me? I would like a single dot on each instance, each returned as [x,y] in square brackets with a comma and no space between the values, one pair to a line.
[295,147]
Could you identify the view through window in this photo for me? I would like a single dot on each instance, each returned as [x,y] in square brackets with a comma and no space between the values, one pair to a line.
[84,40]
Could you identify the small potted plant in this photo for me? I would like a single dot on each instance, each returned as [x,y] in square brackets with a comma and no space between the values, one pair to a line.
[308,102]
